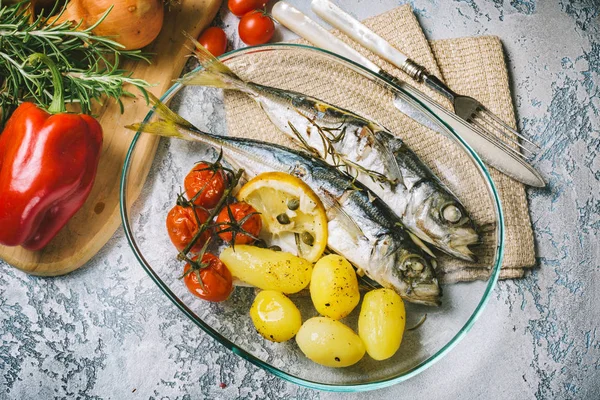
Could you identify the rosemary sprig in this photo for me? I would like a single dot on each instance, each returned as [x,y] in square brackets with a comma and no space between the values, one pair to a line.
[330,136]
[418,324]
[88,63]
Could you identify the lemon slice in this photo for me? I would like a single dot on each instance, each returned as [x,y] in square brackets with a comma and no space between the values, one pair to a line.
[292,214]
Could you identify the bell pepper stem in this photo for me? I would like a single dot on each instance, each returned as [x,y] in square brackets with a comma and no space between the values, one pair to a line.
[58,98]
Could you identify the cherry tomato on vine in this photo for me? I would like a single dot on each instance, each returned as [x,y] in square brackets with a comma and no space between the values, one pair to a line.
[182,226]
[256,27]
[215,40]
[216,279]
[241,7]
[211,181]
[241,211]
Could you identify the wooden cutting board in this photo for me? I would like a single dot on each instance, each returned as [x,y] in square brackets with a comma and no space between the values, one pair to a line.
[98,219]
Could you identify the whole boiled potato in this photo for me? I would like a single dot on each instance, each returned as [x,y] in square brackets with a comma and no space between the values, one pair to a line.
[267,269]
[381,323]
[334,287]
[274,316]
[329,342]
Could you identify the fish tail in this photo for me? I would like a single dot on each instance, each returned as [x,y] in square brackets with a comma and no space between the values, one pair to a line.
[213,73]
[169,124]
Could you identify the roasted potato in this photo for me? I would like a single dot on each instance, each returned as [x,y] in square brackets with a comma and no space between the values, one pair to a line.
[334,287]
[268,269]
[329,342]
[274,316]
[381,323]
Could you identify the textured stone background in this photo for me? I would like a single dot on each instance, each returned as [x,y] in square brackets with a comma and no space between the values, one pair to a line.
[106,331]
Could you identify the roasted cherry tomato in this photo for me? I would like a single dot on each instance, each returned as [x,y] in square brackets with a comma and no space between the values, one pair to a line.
[241,7]
[215,40]
[216,279]
[211,181]
[256,27]
[241,212]
[182,226]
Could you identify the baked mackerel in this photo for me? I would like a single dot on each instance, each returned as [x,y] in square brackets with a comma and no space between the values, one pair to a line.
[363,149]
[361,227]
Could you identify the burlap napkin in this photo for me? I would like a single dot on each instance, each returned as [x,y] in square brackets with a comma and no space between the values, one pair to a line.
[471,66]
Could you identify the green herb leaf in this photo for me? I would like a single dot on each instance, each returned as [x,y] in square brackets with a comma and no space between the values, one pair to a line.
[89,64]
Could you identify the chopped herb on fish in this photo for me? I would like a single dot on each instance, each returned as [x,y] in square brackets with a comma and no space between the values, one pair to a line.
[339,160]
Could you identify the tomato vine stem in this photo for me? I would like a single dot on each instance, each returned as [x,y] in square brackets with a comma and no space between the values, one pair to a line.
[182,256]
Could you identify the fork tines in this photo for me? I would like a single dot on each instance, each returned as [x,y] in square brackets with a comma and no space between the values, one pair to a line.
[500,126]
[489,125]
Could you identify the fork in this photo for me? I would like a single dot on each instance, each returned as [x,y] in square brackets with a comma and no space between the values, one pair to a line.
[471,110]
[480,117]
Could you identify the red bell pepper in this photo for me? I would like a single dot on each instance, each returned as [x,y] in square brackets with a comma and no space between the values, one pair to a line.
[48,163]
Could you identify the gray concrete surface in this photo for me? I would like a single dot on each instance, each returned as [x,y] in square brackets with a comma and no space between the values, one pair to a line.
[106,331]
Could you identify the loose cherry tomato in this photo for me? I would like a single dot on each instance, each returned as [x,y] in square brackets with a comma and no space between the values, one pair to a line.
[211,181]
[216,279]
[241,211]
[256,27]
[215,40]
[241,7]
[182,226]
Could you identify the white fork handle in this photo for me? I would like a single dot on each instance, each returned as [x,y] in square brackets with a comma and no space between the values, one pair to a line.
[303,26]
[343,21]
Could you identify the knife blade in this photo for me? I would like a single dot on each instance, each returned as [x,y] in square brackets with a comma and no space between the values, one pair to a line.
[407,98]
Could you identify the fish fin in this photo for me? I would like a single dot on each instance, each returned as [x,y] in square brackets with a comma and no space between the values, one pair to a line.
[335,210]
[213,73]
[366,283]
[395,173]
[371,196]
[420,243]
[169,122]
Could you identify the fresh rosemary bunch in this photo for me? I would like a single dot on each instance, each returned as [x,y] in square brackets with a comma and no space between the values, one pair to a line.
[89,64]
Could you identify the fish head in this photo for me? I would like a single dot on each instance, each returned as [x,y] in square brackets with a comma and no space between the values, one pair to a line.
[441,220]
[410,273]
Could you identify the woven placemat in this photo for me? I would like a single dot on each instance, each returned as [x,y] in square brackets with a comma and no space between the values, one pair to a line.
[472,66]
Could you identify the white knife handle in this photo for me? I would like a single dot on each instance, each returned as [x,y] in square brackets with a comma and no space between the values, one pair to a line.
[308,29]
[341,20]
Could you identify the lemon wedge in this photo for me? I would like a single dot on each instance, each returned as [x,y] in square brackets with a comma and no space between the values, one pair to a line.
[292,214]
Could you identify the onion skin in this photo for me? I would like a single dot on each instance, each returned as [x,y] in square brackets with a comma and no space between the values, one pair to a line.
[132,23]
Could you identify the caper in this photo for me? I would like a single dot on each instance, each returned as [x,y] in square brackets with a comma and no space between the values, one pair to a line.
[283,219]
[307,238]
[293,204]
[275,248]
[260,243]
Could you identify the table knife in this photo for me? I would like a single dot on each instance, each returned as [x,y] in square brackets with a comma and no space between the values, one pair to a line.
[408,99]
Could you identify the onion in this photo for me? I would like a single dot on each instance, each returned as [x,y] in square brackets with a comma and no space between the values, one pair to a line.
[132,23]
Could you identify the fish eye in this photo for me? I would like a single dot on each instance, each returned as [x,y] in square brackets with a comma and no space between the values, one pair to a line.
[417,266]
[413,267]
[451,213]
